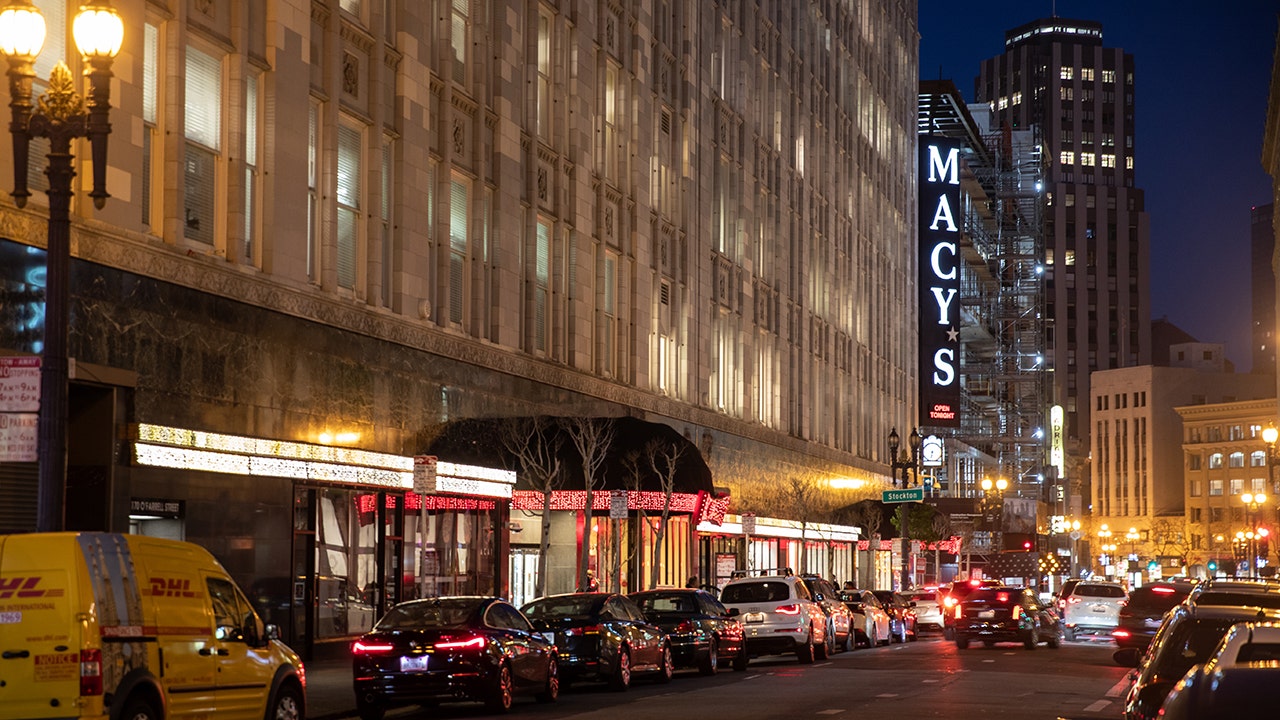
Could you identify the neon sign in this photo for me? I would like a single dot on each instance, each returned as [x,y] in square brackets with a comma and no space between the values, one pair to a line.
[939,281]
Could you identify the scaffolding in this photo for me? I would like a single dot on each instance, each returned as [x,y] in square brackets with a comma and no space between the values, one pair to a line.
[1004,373]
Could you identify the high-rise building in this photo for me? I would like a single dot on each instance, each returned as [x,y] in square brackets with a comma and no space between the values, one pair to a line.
[1057,74]
[1262,280]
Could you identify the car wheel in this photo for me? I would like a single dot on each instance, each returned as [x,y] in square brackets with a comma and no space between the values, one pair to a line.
[849,642]
[708,664]
[503,690]
[1055,640]
[805,651]
[948,634]
[888,636]
[621,679]
[825,650]
[139,709]
[551,690]
[668,665]
[962,642]
[287,704]
[1029,640]
[915,633]
[741,660]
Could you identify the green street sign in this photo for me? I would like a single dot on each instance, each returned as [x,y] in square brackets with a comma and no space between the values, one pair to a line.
[901,496]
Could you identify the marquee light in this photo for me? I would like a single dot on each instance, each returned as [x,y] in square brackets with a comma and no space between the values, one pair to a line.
[775,527]
[712,511]
[162,446]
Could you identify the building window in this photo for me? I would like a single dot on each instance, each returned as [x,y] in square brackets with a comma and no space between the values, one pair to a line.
[1108,76]
[1215,461]
[204,143]
[1237,486]
[1087,159]
[1067,157]
[1086,74]
[1215,488]
[541,285]
[458,245]
[150,121]
[1197,488]
[1066,73]
[1193,461]
[1258,458]
[458,39]
[609,310]
[544,75]
[1107,160]
[252,161]
[350,146]
[384,216]
[313,193]
[1237,460]
[1258,485]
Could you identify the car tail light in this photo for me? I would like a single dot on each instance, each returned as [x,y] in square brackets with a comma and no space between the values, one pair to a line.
[362,647]
[975,583]
[584,630]
[686,627]
[1120,633]
[91,672]
[1002,597]
[1162,590]
[948,601]
[1073,600]
[1017,611]
[957,612]
[792,609]
[1124,602]
[472,643]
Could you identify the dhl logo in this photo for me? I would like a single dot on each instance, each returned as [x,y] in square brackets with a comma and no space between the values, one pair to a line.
[25,587]
[172,587]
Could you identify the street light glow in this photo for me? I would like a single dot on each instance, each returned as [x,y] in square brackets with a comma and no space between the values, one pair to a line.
[22,30]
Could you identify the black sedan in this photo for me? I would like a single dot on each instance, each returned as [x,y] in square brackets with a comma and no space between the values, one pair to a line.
[1142,614]
[902,615]
[452,648]
[602,636]
[702,633]
[1006,614]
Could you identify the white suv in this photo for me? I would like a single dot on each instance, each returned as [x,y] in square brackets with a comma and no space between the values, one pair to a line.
[1093,607]
[778,616]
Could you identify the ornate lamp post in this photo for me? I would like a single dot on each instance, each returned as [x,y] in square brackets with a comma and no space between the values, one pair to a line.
[1133,537]
[1252,502]
[1108,549]
[908,463]
[60,115]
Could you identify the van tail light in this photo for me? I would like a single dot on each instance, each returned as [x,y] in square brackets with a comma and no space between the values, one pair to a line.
[363,647]
[1017,611]
[471,643]
[793,609]
[584,630]
[90,672]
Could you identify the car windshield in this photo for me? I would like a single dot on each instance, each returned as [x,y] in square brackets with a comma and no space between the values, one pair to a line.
[993,595]
[566,606]
[433,614]
[751,592]
[667,603]
[1258,653]
[1236,599]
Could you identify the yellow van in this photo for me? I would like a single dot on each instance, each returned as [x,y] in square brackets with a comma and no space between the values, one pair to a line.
[110,626]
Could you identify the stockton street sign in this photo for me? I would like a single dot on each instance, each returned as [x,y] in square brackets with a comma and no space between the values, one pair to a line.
[901,496]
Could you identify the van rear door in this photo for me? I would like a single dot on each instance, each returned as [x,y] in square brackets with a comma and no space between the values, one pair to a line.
[40,635]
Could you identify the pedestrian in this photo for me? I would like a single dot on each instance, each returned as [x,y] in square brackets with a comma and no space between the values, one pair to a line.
[592,584]
[692,582]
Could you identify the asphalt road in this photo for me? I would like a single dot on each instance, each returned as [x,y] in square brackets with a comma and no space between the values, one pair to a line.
[925,679]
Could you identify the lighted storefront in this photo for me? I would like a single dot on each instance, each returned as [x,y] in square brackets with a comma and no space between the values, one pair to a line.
[359,540]
[761,544]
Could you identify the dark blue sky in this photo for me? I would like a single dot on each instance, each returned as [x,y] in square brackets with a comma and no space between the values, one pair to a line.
[1203,72]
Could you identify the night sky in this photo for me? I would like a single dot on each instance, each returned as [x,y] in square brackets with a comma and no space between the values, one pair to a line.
[1203,73]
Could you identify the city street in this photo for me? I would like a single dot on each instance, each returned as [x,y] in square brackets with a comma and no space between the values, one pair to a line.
[925,679]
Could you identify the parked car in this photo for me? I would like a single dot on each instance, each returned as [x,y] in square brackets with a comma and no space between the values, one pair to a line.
[1141,616]
[1093,607]
[602,636]
[702,632]
[1188,636]
[928,611]
[870,621]
[1223,693]
[1006,614]
[839,619]
[902,616]
[953,594]
[450,648]
[778,616]
[1232,591]
[1060,597]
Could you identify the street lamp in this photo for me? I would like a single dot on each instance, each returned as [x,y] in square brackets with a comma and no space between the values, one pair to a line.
[1104,534]
[60,115]
[1075,544]
[1132,536]
[988,507]
[908,463]
[1253,501]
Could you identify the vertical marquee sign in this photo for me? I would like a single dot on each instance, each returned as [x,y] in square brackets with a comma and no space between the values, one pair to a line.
[940,223]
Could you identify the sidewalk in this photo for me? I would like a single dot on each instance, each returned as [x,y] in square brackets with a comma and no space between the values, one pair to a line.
[329,692]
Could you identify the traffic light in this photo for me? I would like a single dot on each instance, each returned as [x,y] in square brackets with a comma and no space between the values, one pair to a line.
[1213,566]
[1019,542]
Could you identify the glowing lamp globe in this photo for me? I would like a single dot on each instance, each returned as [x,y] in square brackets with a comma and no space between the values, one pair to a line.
[22,30]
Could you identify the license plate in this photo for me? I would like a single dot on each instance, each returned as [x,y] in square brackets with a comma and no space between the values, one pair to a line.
[1098,609]
[986,613]
[413,663]
[550,636]
[753,617]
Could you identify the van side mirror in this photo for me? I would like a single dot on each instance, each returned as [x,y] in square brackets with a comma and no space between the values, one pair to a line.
[818,597]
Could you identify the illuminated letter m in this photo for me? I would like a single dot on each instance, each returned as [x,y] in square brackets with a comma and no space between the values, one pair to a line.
[939,168]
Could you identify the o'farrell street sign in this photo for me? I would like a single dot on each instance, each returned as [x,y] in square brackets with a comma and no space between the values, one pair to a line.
[901,496]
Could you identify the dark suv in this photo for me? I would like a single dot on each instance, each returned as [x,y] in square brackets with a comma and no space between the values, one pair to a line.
[953,594]
[1140,617]
[1006,614]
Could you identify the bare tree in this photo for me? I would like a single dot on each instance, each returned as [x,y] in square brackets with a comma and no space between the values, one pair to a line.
[1168,537]
[664,459]
[535,444]
[803,498]
[592,438]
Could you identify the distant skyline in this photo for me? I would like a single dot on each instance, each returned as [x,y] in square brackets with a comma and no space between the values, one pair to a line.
[1203,74]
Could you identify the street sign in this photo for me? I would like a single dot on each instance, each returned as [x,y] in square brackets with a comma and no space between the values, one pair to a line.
[748,523]
[424,474]
[901,496]
[617,504]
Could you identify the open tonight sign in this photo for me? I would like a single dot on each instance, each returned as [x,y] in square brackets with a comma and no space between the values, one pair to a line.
[939,281]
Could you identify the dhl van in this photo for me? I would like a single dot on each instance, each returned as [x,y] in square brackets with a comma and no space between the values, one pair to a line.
[126,627]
